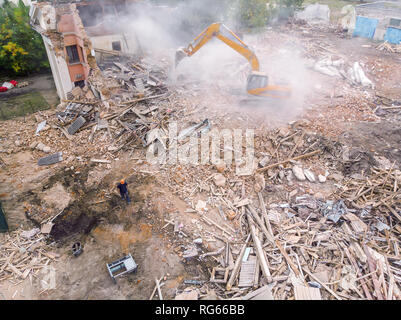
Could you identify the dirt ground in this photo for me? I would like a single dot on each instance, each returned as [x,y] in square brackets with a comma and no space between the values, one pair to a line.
[109,228]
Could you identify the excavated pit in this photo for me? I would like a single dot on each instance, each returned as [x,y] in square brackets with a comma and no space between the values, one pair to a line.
[88,206]
[88,211]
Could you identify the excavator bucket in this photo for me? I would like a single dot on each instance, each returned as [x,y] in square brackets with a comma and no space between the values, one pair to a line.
[179,55]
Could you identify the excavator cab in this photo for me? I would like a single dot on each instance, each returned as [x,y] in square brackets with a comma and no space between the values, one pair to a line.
[258,85]
[256,80]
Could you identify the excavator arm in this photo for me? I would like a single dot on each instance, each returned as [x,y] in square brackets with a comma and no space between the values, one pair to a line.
[224,34]
[257,82]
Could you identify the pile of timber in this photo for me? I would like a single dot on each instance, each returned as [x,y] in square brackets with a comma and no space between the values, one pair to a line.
[24,254]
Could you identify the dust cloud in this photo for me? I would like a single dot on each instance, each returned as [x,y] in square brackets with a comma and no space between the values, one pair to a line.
[160,30]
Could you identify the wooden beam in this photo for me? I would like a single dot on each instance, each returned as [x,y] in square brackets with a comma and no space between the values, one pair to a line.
[287,258]
[260,254]
[237,265]
[306,155]
[260,223]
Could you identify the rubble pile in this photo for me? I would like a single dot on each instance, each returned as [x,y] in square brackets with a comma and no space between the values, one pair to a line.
[91,124]
[313,219]
[296,244]
[24,254]
[385,46]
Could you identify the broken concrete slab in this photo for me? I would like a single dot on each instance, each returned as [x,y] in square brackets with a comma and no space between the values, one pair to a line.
[40,127]
[76,125]
[76,91]
[298,173]
[46,228]
[190,253]
[263,293]
[54,158]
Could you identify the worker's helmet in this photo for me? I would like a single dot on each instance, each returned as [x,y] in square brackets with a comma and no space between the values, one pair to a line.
[122,181]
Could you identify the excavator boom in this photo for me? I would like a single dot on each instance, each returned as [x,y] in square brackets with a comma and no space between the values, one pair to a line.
[257,83]
[224,34]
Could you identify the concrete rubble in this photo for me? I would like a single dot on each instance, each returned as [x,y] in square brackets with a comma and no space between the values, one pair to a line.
[316,219]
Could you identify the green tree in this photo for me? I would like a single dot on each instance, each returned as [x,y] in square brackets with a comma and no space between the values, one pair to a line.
[283,9]
[250,14]
[21,48]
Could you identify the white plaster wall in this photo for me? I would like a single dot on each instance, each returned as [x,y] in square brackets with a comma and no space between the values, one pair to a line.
[47,19]
[128,45]
[59,69]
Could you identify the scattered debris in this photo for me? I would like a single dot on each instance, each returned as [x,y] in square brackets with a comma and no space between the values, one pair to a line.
[24,253]
[77,249]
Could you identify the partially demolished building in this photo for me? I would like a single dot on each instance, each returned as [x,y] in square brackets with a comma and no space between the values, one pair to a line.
[74,33]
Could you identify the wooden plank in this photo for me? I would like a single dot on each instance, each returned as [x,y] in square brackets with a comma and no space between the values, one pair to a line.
[210,221]
[247,273]
[287,258]
[158,289]
[14,269]
[155,288]
[358,272]
[372,268]
[237,265]
[254,294]
[323,284]
[260,255]
[310,154]
[307,293]
[264,212]
[357,224]
[100,161]
[260,223]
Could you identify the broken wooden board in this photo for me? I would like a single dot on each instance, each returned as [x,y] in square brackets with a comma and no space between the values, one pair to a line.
[263,293]
[247,273]
[357,224]
[307,293]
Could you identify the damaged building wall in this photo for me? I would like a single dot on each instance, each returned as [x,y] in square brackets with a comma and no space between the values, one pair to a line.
[64,39]
[99,20]
[73,35]
[43,20]
[69,42]
[59,69]
[113,42]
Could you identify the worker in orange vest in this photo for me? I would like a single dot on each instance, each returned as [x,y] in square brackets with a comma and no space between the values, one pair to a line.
[122,186]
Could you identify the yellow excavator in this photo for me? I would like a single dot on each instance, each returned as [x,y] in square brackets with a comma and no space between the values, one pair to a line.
[257,82]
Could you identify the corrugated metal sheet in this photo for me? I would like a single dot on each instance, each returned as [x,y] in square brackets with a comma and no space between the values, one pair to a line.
[393,35]
[383,7]
[365,27]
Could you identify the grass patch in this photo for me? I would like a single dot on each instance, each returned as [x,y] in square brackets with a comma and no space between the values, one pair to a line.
[22,105]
